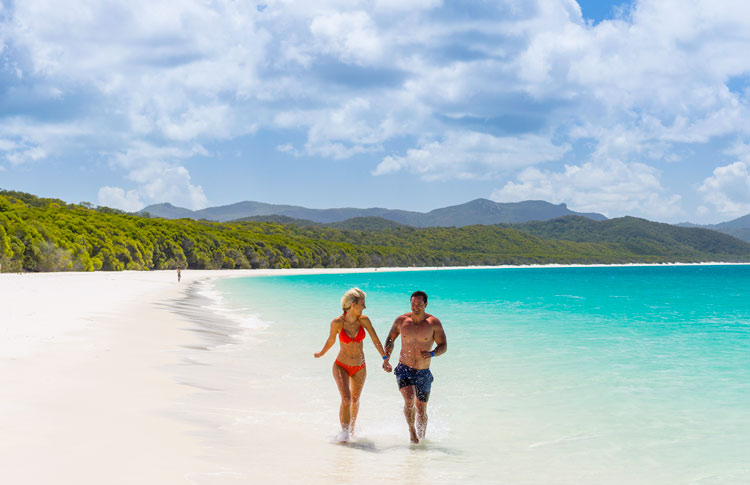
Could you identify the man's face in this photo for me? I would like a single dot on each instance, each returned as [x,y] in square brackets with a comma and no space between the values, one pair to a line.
[417,304]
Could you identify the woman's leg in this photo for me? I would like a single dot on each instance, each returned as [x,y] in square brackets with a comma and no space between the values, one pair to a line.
[342,381]
[356,383]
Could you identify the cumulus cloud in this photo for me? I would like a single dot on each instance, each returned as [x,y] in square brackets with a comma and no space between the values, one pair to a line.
[157,182]
[464,90]
[118,198]
[19,152]
[338,133]
[728,189]
[353,37]
[613,187]
[469,155]
[26,142]
[159,177]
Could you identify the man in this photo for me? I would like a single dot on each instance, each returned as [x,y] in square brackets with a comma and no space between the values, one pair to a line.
[418,330]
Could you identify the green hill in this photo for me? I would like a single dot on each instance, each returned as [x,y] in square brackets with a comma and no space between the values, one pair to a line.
[278,219]
[642,237]
[39,234]
[366,224]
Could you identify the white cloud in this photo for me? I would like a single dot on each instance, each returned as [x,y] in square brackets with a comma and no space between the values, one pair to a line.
[158,182]
[390,6]
[354,75]
[22,156]
[728,189]
[472,155]
[118,198]
[159,176]
[613,187]
[166,61]
[25,142]
[340,132]
[7,145]
[353,37]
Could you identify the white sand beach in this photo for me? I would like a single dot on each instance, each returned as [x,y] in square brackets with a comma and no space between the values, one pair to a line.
[105,382]
[86,399]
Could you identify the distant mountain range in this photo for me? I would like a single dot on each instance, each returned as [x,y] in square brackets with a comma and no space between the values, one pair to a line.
[479,211]
[38,234]
[739,228]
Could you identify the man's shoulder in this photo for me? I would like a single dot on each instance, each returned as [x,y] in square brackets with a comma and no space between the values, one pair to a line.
[432,319]
[405,316]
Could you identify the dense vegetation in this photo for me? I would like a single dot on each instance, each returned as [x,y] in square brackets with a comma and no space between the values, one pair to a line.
[641,236]
[39,234]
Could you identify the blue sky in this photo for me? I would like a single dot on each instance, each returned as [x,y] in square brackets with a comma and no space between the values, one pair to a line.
[625,108]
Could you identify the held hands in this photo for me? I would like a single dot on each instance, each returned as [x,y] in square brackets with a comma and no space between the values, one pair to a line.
[387,366]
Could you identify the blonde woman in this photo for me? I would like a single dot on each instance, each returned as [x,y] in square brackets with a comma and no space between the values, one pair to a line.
[349,370]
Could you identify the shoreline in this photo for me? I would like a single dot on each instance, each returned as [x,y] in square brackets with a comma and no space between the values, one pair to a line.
[230,273]
[90,362]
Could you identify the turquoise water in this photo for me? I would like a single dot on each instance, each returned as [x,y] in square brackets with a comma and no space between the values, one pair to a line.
[552,375]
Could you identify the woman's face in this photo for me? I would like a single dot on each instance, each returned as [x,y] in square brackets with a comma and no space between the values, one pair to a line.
[359,305]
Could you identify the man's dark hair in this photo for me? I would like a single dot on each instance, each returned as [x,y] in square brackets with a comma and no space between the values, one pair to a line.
[420,293]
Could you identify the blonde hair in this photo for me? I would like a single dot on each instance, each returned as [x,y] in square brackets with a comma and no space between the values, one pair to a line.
[350,297]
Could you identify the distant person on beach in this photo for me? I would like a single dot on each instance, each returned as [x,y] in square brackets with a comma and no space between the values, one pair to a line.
[418,330]
[179,275]
[349,370]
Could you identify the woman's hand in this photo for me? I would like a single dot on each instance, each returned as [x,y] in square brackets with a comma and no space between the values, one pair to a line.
[318,355]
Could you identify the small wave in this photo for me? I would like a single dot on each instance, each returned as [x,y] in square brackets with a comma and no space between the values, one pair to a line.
[238,316]
[218,323]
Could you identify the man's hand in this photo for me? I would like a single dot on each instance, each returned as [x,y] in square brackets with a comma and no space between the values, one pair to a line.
[426,354]
[387,366]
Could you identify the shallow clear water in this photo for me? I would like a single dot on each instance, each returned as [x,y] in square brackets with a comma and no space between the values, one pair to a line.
[552,375]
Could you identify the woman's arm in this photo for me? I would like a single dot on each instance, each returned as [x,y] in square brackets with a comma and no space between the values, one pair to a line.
[336,324]
[367,324]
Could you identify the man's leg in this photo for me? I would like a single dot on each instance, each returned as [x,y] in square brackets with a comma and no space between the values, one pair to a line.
[408,393]
[422,388]
[421,417]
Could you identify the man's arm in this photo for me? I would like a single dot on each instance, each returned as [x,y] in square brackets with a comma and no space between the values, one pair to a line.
[393,335]
[440,340]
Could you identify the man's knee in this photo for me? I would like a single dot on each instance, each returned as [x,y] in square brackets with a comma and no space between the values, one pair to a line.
[421,407]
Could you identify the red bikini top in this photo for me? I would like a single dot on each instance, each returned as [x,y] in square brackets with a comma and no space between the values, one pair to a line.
[345,338]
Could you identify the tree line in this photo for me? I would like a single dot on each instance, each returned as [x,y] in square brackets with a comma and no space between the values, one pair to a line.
[39,234]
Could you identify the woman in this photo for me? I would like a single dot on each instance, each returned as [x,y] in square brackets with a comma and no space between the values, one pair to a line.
[349,368]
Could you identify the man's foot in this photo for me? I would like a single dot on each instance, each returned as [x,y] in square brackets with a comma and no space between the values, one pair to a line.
[343,436]
[413,433]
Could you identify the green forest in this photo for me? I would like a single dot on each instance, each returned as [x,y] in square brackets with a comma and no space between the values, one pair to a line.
[39,234]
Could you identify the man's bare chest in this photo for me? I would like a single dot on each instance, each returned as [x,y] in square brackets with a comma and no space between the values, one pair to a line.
[416,332]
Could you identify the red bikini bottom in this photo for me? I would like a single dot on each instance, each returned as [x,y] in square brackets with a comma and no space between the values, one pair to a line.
[350,369]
